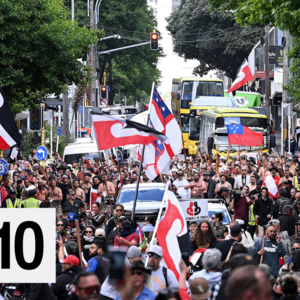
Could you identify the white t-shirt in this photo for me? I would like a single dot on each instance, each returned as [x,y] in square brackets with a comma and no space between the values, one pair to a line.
[31,187]
[158,280]
[180,184]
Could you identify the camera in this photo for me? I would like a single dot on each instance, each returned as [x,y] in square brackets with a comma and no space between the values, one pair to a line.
[235,193]
[85,215]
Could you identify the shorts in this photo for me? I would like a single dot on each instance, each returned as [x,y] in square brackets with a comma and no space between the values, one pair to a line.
[57,206]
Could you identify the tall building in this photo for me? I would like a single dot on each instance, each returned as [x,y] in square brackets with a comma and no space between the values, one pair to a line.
[171,66]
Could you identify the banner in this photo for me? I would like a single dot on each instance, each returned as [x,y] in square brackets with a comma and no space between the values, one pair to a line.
[195,209]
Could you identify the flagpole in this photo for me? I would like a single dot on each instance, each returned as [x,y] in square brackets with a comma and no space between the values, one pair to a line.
[156,224]
[179,120]
[141,163]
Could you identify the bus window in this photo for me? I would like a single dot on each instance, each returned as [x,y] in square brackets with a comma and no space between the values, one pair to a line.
[246,121]
[185,123]
[209,88]
[187,90]
[194,128]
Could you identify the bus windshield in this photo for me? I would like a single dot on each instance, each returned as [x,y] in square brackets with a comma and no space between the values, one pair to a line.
[246,121]
[193,89]
[185,123]
[194,130]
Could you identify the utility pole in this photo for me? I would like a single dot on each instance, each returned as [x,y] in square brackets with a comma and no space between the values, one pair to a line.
[91,55]
[284,122]
[110,95]
[66,117]
[267,78]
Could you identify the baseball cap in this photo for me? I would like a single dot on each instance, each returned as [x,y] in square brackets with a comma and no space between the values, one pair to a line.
[206,173]
[288,182]
[267,270]
[199,289]
[71,259]
[156,249]
[289,153]
[72,217]
[100,232]
[31,192]
[224,189]
[134,251]
[235,230]
[259,182]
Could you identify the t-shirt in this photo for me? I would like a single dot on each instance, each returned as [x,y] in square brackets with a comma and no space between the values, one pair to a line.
[74,207]
[158,280]
[224,247]
[131,237]
[180,184]
[64,189]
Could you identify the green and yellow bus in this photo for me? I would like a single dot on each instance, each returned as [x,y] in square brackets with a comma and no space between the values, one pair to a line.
[187,90]
[213,130]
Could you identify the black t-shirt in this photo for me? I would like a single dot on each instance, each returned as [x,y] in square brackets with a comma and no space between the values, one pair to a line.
[224,247]
[255,193]
[75,207]
[64,189]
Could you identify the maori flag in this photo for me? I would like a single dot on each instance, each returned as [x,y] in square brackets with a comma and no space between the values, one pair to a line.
[9,133]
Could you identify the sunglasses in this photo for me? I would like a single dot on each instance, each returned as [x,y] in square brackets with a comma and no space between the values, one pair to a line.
[136,272]
[88,231]
[154,255]
[213,218]
[95,289]
[295,249]
[62,225]
[72,194]
[117,210]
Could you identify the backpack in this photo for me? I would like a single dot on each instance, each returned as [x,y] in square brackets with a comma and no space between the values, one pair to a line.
[164,270]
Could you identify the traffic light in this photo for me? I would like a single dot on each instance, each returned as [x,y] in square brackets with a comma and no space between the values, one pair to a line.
[103,92]
[36,119]
[154,41]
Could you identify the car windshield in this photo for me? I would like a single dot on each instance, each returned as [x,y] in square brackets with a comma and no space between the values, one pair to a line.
[129,111]
[69,158]
[127,195]
[223,211]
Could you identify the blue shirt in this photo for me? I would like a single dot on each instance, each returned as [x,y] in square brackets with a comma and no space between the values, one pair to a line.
[146,294]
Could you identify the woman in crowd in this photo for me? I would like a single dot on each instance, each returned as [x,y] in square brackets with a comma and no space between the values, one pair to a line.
[221,231]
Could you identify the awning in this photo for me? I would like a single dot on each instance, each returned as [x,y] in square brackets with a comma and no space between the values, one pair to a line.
[277,98]
[21,116]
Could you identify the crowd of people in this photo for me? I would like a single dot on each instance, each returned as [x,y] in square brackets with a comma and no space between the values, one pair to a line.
[255,256]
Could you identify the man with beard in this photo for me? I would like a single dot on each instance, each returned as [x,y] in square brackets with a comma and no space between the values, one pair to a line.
[228,177]
[161,277]
[55,197]
[271,181]
[65,186]
[106,188]
[42,193]
[79,191]
[204,237]
[99,263]
[257,191]
[223,183]
[92,193]
[225,246]
[119,211]
[286,177]
[180,183]
[252,185]
[197,186]
[263,211]
[272,250]
[242,180]
[288,186]
[211,185]
[70,267]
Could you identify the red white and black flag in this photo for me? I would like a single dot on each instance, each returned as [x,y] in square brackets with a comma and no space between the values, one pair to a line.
[9,133]
[113,132]
[244,75]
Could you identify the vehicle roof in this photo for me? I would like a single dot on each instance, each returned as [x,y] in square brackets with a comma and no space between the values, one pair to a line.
[236,110]
[215,114]
[207,101]
[81,147]
[144,186]
[200,79]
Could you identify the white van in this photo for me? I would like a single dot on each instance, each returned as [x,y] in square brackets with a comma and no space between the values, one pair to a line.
[83,147]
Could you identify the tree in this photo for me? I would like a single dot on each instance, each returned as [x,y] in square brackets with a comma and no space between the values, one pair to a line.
[39,51]
[133,69]
[210,36]
[284,14]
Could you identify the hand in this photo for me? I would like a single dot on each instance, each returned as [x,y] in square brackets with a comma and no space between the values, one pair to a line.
[90,217]
[278,239]
[183,267]
[120,240]
[277,289]
[269,216]
[261,252]
[256,217]
[60,242]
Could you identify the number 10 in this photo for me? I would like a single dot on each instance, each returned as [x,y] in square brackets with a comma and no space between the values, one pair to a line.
[19,251]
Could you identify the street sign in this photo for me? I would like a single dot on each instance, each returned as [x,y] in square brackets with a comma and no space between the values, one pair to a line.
[104,102]
[80,109]
[58,114]
[59,130]
[41,153]
[3,167]
[108,88]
